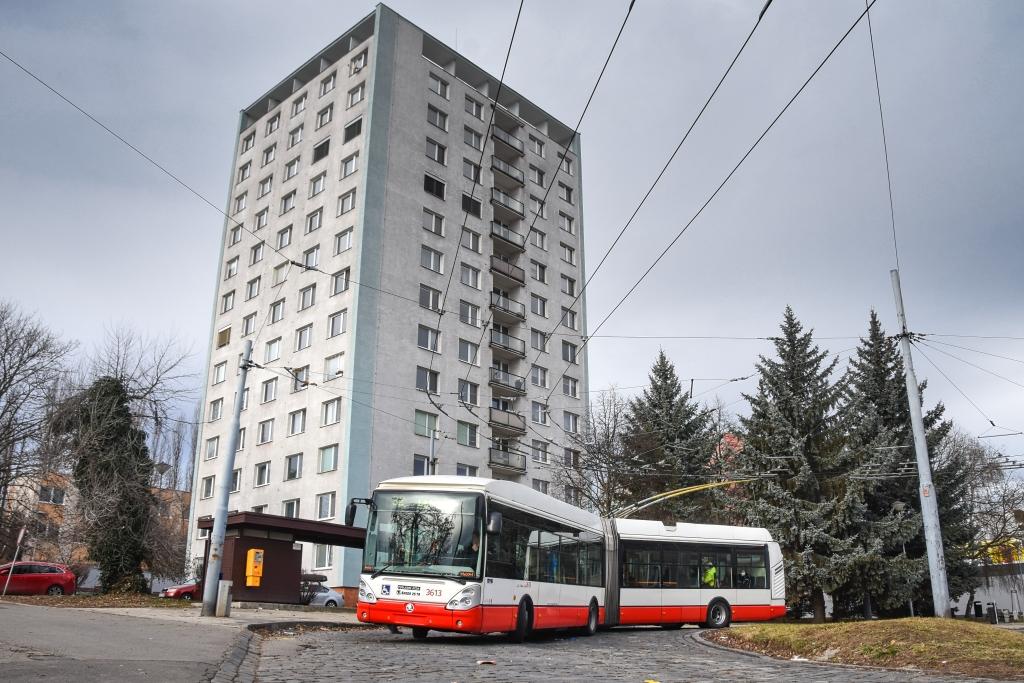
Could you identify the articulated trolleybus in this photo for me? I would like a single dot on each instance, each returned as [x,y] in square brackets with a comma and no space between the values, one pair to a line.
[475,555]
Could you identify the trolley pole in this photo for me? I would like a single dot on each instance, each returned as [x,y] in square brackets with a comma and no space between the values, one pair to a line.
[222,490]
[926,490]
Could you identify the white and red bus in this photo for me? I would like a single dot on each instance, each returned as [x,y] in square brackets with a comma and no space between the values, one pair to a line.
[474,555]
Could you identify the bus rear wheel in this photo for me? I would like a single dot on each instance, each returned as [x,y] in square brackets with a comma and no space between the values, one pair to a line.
[671,627]
[719,615]
[590,628]
[419,633]
[524,622]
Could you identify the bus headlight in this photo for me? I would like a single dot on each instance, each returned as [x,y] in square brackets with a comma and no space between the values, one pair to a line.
[365,594]
[467,598]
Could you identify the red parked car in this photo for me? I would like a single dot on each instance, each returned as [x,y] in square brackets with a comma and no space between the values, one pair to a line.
[37,578]
[184,592]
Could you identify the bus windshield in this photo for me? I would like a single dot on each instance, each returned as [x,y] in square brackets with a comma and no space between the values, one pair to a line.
[417,532]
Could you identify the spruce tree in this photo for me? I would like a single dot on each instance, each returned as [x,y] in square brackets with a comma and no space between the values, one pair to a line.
[669,443]
[792,436]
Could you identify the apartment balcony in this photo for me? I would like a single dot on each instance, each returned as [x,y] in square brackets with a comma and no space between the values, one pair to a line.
[508,175]
[507,206]
[506,309]
[506,383]
[508,236]
[508,141]
[507,346]
[507,422]
[506,460]
[507,274]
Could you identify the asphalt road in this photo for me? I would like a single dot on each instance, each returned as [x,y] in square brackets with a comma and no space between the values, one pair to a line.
[48,643]
[619,655]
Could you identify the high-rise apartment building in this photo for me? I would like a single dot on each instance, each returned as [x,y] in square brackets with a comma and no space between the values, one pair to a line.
[378,194]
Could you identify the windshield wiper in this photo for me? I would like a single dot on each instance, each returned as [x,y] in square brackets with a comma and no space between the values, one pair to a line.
[381,571]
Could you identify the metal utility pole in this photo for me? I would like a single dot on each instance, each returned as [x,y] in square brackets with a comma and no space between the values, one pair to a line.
[223,488]
[432,461]
[929,500]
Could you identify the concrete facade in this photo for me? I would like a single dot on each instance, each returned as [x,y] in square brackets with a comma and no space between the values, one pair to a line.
[520,270]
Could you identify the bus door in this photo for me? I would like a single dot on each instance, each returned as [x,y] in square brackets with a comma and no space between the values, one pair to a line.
[680,585]
[548,595]
[640,592]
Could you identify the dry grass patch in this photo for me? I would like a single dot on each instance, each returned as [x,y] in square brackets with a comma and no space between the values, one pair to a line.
[941,645]
[109,600]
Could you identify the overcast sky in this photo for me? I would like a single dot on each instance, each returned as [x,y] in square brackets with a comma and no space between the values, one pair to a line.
[93,236]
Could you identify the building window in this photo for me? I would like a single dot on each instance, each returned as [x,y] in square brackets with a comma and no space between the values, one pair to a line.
[327,460]
[248,324]
[437,117]
[268,390]
[51,494]
[472,206]
[223,337]
[420,466]
[220,372]
[538,305]
[343,241]
[568,254]
[347,202]
[539,450]
[462,470]
[537,146]
[439,86]
[437,152]
[284,237]
[349,165]
[324,116]
[571,422]
[252,288]
[318,184]
[272,351]
[469,392]
[536,175]
[265,186]
[430,298]
[261,509]
[433,186]
[431,259]
[290,508]
[358,63]
[264,432]
[330,412]
[469,352]
[227,302]
[277,311]
[261,219]
[311,257]
[568,352]
[538,271]
[336,323]
[212,444]
[240,202]
[567,223]
[568,285]
[328,82]
[296,422]
[293,467]
[433,222]
[248,141]
[471,240]
[244,171]
[539,412]
[427,380]
[565,164]
[323,555]
[273,123]
[299,104]
[216,409]
[471,170]
[467,435]
[565,192]
[207,488]
[291,169]
[236,481]
[234,236]
[300,378]
[256,254]
[470,276]
[538,206]
[474,108]
[428,338]
[569,318]
[314,220]
[570,386]
[262,477]
[352,130]
[307,297]
[321,150]
[339,282]
[303,337]
[356,94]
[540,485]
[269,154]
[469,313]
[538,239]
[426,423]
[473,138]
[294,138]
[333,366]
[538,340]
[324,510]
[539,376]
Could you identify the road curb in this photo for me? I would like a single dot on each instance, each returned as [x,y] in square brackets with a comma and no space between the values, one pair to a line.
[240,659]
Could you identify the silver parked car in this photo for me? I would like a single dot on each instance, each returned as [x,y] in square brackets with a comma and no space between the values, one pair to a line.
[326,597]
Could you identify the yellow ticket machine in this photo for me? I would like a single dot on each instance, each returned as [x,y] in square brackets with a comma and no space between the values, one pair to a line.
[253,567]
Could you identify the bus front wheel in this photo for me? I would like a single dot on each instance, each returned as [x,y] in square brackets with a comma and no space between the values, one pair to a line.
[719,614]
[592,618]
[419,633]
[524,622]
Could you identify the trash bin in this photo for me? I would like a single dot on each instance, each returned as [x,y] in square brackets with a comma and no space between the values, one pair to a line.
[991,608]
[977,609]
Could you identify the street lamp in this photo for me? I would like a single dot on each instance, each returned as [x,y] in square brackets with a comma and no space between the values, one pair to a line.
[161,469]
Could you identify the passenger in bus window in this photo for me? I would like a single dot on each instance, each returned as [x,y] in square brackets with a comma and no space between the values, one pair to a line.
[710,573]
[742,580]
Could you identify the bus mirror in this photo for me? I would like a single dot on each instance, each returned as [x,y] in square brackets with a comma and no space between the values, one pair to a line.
[494,523]
[350,514]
